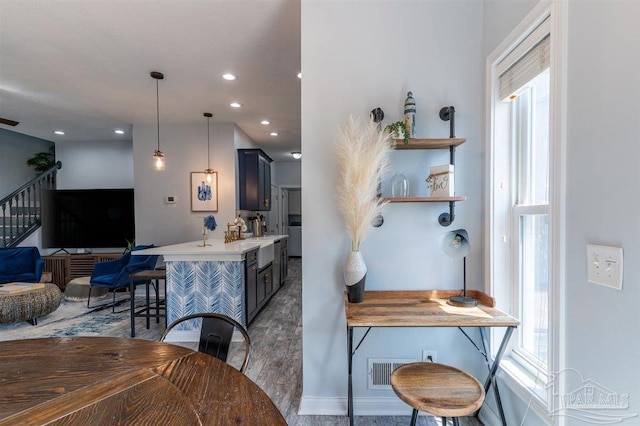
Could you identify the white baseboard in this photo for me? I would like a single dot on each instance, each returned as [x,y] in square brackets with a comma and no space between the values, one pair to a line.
[331,406]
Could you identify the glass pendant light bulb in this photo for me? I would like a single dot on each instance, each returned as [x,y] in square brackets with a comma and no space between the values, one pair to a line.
[158,160]
[208,175]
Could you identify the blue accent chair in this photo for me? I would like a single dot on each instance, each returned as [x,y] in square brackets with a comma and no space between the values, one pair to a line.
[20,264]
[114,274]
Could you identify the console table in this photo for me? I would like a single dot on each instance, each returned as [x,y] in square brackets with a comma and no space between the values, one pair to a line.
[428,309]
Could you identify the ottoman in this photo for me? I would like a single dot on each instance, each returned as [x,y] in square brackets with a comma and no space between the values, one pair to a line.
[29,305]
[77,290]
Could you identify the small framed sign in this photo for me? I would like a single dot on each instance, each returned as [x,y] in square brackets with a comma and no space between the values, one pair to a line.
[204,195]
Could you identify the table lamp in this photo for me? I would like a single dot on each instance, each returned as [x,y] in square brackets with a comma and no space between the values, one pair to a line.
[456,244]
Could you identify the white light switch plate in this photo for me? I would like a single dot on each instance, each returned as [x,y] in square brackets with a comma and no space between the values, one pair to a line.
[604,265]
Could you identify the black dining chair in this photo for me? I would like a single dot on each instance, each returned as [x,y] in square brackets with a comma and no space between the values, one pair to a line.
[216,333]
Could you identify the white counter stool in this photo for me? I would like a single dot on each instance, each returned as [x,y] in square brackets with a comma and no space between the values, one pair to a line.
[437,389]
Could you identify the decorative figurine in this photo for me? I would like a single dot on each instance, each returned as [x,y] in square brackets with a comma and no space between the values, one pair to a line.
[410,114]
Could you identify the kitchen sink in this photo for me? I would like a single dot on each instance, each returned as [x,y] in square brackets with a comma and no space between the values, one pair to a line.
[265,253]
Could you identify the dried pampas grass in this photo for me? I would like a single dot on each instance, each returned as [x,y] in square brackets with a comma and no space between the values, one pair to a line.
[363,158]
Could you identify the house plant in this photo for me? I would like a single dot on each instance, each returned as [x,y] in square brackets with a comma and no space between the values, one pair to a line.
[398,130]
[43,160]
[363,157]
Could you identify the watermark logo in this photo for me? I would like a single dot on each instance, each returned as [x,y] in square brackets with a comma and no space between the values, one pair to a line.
[588,401]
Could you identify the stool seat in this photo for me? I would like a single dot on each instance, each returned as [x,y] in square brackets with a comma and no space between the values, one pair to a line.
[437,389]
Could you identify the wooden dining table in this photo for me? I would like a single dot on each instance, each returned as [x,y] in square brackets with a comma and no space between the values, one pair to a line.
[116,381]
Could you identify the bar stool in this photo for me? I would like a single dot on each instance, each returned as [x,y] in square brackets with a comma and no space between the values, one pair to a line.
[146,278]
[437,389]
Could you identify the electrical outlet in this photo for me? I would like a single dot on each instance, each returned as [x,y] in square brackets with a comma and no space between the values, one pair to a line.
[604,265]
[430,356]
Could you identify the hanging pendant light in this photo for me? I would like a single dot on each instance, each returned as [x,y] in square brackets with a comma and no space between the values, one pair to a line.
[208,172]
[158,156]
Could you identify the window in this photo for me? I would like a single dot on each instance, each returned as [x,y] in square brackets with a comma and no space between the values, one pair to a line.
[525,209]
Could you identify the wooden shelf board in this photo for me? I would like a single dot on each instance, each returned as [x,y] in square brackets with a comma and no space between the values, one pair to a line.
[423,199]
[429,143]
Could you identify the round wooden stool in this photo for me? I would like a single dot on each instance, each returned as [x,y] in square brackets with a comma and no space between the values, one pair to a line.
[437,389]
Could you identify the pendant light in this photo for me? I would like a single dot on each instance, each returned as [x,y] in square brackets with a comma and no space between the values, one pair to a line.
[158,156]
[208,172]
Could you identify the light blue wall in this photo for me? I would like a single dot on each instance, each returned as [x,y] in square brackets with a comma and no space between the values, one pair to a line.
[357,56]
[602,206]
[15,150]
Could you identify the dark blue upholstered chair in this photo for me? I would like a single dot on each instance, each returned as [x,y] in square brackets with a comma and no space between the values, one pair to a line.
[20,264]
[114,274]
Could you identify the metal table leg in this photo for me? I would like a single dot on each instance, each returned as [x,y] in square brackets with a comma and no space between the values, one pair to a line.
[493,367]
[132,290]
[350,390]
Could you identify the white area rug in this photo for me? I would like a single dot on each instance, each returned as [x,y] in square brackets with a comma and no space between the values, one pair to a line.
[75,319]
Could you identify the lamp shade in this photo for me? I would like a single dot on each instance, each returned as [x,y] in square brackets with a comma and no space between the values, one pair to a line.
[455,243]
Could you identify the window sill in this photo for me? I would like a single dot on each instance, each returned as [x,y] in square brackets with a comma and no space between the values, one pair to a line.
[532,392]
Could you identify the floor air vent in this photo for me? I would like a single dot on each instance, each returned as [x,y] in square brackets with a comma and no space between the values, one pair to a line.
[380,371]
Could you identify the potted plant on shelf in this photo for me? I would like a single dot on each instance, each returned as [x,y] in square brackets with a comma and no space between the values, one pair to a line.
[363,158]
[398,130]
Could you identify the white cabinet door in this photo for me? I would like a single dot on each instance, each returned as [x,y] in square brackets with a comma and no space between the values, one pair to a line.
[295,202]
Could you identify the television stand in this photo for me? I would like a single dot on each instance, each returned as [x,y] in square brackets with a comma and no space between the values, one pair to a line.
[65,267]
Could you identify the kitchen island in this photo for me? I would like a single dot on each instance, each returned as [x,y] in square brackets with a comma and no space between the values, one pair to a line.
[211,278]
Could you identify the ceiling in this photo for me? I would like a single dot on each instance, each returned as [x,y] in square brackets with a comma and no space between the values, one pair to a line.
[83,67]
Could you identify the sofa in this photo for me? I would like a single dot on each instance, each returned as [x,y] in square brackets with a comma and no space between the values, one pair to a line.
[20,264]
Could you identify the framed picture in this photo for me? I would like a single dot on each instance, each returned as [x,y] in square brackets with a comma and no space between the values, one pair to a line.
[204,195]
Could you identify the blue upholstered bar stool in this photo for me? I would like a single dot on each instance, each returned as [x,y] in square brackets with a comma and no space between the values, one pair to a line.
[437,389]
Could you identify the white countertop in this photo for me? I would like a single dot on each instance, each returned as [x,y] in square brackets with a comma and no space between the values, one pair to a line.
[216,249]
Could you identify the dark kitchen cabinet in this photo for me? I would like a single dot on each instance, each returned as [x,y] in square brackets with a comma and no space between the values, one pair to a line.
[258,285]
[254,168]
[251,281]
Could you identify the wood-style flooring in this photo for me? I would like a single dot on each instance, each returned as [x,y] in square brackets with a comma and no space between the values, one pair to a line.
[276,362]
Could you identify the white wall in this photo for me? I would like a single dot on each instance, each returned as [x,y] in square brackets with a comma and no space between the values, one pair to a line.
[286,173]
[15,150]
[357,56]
[602,171]
[185,149]
[95,165]
[602,127]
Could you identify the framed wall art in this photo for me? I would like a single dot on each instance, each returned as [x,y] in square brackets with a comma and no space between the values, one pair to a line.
[204,195]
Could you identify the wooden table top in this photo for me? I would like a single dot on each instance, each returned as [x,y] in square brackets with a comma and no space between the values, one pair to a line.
[113,381]
[427,308]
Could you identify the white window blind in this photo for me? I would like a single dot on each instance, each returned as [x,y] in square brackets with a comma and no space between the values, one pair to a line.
[530,65]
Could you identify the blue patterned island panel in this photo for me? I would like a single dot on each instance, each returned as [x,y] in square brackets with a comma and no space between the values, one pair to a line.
[205,286]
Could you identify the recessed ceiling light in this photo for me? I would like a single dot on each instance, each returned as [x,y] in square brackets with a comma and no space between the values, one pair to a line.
[118,132]
[299,75]
[235,104]
[58,132]
[297,155]
[265,122]
[229,76]
[274,133]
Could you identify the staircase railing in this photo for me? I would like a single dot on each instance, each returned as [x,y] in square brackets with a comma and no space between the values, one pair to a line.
[20,210]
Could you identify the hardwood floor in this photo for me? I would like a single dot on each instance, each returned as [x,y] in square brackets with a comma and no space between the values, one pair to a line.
[276,362]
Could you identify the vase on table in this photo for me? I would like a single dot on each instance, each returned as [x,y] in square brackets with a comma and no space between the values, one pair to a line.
[204,237]
[355,272]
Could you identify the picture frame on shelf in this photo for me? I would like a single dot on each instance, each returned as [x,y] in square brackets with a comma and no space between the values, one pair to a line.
[204,195]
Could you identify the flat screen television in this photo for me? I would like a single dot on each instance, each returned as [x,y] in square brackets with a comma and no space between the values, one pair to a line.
[87,218]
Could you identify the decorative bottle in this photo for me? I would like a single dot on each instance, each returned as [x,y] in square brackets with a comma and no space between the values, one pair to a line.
[410,114]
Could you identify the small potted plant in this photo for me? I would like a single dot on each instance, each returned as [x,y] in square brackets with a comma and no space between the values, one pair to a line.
[398,130]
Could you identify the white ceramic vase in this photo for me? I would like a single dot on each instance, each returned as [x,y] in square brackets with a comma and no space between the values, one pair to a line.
[355,272]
